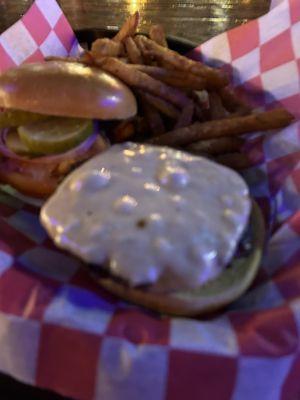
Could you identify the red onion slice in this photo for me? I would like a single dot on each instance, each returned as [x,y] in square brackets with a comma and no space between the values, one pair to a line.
[52,159]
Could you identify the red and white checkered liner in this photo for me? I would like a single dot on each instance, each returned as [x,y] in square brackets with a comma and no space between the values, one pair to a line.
[60,331]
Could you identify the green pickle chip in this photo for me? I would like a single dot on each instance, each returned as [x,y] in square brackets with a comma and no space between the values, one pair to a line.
[14,118]
[55,134]
[14,143]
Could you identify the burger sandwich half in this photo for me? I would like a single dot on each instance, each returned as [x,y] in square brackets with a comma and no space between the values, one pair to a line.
[47,121]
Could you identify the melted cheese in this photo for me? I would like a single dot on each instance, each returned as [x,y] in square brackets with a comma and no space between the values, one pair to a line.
[151,215]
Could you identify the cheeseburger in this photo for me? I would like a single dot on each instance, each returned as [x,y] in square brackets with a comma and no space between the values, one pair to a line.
[47,121]
[158,227]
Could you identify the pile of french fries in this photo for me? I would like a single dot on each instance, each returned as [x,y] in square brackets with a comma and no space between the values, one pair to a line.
[181,103]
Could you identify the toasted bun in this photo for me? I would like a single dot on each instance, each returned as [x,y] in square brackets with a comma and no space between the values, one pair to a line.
[66,89]
[231,284]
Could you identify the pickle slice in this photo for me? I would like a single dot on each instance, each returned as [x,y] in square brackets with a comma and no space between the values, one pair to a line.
[55,135]
[14,143]
[14,118]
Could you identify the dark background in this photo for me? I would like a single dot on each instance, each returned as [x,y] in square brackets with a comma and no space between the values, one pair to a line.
[196,20]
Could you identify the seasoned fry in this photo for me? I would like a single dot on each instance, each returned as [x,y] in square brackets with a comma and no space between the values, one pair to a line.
[163,63]
[87,58]
[128,28]
[157,34]
[216,146]
[66,59]
[123,131]
[263,121]
[214,78]
[199,114]
[174,78]
[186,116]
[138,39]
[202,98]
[232,102]
[154,120]
[237,161]
[162,105]
[143,81]
[174,92]
[141,125]
[134,53]
[216,109]
[105,47]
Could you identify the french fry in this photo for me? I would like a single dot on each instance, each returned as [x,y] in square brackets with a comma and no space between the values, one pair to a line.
[263,121]
[214,78]
[216,108]
[173,77]
[162,63]
[232,102]
[87,58]
[162,105]
[154,120]
[134,53]
[128,28]
[124,60]
[65,59]
[123,131]
[105,47]
[141,126]
[237,161]
[216,146]
[140,80]
[157,34]
[173,86]
[198,113]
[186,116]
[202,98]
[138,39]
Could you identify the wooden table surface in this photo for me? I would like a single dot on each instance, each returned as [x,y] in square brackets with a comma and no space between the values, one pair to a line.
[196,20]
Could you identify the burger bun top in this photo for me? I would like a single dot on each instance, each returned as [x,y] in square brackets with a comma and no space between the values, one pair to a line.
[67,89]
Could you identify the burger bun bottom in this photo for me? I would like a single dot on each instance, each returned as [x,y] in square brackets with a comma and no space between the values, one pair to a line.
[214,295]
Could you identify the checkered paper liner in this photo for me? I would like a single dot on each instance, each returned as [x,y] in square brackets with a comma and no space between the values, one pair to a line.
[58,330]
